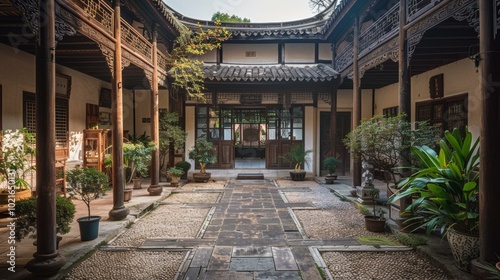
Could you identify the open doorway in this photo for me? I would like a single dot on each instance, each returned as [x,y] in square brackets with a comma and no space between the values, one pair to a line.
[250,138]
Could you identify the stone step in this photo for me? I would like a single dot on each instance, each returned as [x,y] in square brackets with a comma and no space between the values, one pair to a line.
[250,176]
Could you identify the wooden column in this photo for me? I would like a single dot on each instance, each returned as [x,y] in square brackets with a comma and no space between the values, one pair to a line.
[489,192]
[47,260]
[119,211]
[404,73]
[333,118]
[155,188]
[356,102]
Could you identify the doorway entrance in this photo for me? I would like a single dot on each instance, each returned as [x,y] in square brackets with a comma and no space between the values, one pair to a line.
[250,137]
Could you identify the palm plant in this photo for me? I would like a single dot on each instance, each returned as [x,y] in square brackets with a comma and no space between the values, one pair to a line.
[298,155]
[446,185]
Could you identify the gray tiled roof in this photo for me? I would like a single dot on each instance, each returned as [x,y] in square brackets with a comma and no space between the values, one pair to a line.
[270,73]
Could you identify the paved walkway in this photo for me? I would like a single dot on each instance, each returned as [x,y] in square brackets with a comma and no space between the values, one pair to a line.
[250,230]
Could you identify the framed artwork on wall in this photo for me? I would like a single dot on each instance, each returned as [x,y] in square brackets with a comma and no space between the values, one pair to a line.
[63,85]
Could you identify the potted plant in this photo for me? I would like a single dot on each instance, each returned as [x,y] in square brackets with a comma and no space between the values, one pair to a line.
[16,164]
[376,221]
[330,164]
[137,158]
[87,184]
[298,156]
[172,137]
[203,153]
[447,187]
[26,217]
[175,174]
[184,166]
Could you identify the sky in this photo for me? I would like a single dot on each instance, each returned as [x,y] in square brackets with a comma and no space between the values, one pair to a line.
[255,10]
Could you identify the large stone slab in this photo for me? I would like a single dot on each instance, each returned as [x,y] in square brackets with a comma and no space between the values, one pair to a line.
[284,259]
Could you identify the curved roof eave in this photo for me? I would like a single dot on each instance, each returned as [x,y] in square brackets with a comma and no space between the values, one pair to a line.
[313,26]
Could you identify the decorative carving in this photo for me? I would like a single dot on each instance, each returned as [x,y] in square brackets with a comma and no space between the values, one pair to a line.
[29,9]
[149,76]
[109,54]
[162,78]
[326,97]
[98,11]
[389,50]
[383,28]
[471,14]
[415,8]
[345,58]
[412,44]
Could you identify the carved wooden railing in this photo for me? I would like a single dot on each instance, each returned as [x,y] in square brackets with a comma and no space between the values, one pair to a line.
[99,11]
[162,61]
[345,58]
[384,28]
[415,8]
[133,39]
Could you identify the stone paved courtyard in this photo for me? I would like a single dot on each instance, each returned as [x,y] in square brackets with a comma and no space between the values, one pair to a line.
[253,229]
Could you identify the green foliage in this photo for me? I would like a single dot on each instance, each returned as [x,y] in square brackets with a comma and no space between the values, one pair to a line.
[330,164]
[362,209]
[143,138]
[17,156]
[376,241]
[203,152]
[184,165]
[225,17]
[373,193]
[137,157]
[385,141]
[173,171]
[26,217]
[87,184]
[447,185]
[298,155]
[170,132]
[411,240]
[186,71]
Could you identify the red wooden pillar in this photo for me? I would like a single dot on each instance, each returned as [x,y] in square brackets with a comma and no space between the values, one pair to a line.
[155,188]
[47,260]
[119,211]
[356,102]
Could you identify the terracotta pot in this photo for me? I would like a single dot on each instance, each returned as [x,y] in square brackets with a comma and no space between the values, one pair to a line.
[464,248]
[137,184]
[374,224]
[127,195]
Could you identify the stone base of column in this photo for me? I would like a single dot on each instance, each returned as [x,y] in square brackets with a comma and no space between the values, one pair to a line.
[363,196]
[155,190]
[45,265]
[118,214]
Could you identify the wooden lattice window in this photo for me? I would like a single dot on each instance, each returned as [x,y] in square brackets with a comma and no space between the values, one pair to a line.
[445,113]
[62,113]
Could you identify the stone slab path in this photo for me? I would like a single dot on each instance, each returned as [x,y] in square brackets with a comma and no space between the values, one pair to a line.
[251,234]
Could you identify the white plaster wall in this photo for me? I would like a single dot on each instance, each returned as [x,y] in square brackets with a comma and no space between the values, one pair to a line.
[325,51]
[190,130]
[310,127]
[235,53]
[209,57]
[299,53]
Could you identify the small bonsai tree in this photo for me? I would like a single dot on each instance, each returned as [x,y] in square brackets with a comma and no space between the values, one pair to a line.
[203,153]
[373,194]
[184,166]
[298,155]
[385,141]
[26,217]
[137,157]
[330,164]
[87,184]
[172,136]
[175,172]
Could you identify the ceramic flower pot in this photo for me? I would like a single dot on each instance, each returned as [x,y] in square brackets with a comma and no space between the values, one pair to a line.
[464,248]
[374,224]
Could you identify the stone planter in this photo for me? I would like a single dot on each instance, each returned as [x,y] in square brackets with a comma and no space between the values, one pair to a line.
[298,176]
[202,177]
[464,248]
[330,179]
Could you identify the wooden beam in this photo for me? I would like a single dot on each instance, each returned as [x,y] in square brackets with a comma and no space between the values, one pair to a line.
[356,102]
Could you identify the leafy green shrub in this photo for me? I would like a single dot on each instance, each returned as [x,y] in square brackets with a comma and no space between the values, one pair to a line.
[26,217]
[411,240]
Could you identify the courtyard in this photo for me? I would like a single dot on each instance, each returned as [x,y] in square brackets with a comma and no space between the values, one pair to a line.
[245,229]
